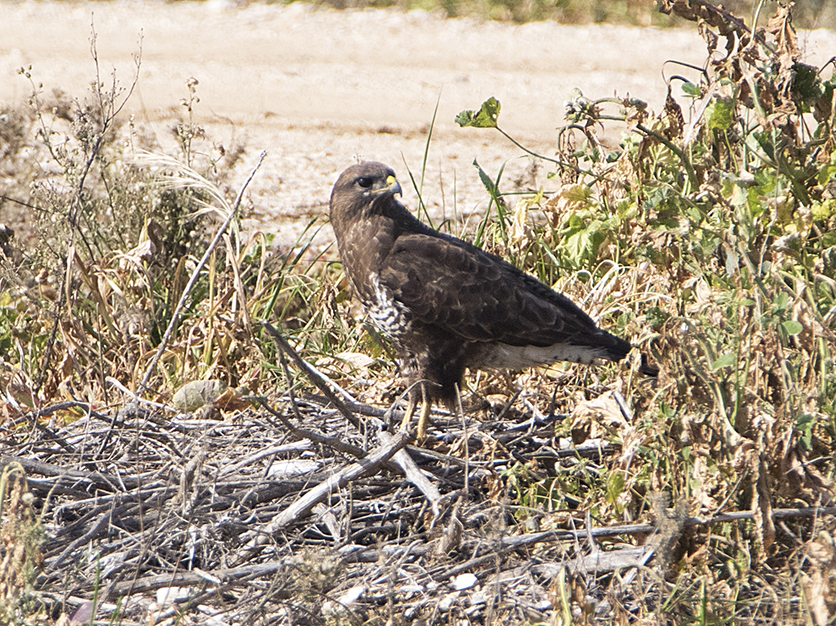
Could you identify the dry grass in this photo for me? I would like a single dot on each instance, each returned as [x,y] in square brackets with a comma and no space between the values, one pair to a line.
[566,495]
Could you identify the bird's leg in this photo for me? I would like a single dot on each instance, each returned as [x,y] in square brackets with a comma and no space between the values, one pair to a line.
[410,411]
[424,416]
[426,406]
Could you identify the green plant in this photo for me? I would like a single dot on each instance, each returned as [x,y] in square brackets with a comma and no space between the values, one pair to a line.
[712,244]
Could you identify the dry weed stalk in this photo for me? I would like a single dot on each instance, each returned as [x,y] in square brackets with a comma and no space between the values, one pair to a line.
[21,537]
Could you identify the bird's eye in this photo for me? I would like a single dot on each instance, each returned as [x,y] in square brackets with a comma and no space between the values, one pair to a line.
[365,182]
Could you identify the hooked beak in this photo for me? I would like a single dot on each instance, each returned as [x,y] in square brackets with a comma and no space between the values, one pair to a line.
[394,186]
[390,187]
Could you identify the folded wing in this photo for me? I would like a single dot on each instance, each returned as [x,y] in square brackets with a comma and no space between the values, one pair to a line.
[469,293]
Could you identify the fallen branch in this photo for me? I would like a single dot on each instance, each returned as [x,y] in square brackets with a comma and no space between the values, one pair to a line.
[512,543]
[98,479]
[363,467]
[186,579]
[401,458]
[303,433]
[414,475]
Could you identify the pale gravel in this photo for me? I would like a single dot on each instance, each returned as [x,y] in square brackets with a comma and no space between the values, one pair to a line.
[319,89]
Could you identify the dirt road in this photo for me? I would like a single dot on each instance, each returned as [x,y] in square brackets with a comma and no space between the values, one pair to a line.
[319,88]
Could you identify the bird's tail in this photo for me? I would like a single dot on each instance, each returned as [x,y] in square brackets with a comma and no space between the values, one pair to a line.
[619,348]
[647,369]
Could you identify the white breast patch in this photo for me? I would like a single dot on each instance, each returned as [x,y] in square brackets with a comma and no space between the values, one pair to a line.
[389,315]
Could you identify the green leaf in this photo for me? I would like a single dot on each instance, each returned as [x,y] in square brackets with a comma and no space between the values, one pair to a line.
[486,117]
[823,210]
[690,89]
[615,486]
[782,301]
[791,327]
[578,194]
[825,174]
[756,207]
[724,360]
[806,82]
[489,185]
[739,196]
[804,424]
[497,200]
[582,240]
[656,317]
[576,246]
[721,114]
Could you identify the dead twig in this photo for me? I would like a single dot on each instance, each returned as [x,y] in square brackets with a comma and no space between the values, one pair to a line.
[303,433]
[315,377]
[401,458]
[305,504]
[183,579]
[100,525]
[415,475]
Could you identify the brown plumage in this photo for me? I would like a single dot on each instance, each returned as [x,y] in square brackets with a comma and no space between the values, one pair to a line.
[445,304]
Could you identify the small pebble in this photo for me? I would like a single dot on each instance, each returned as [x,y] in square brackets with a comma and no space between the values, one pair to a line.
[464,581]
[170,595]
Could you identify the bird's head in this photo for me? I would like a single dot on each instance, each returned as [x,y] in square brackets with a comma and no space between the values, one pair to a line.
[362,186]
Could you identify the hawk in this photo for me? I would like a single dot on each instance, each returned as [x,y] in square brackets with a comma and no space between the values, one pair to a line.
[445,304]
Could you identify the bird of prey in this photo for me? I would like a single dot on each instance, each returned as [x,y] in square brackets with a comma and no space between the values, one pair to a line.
[445,304]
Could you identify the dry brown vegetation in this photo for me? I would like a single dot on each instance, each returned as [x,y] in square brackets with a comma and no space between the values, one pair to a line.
[169,459]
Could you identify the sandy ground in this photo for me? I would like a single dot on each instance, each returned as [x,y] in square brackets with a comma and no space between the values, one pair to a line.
[319,89]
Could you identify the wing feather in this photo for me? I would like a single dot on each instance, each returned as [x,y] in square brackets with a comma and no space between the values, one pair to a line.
[470,293]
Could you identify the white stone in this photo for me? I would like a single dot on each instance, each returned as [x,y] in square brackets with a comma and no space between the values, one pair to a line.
[446,603]
[344,602]
[293,467]
[463,581]
[170,595]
